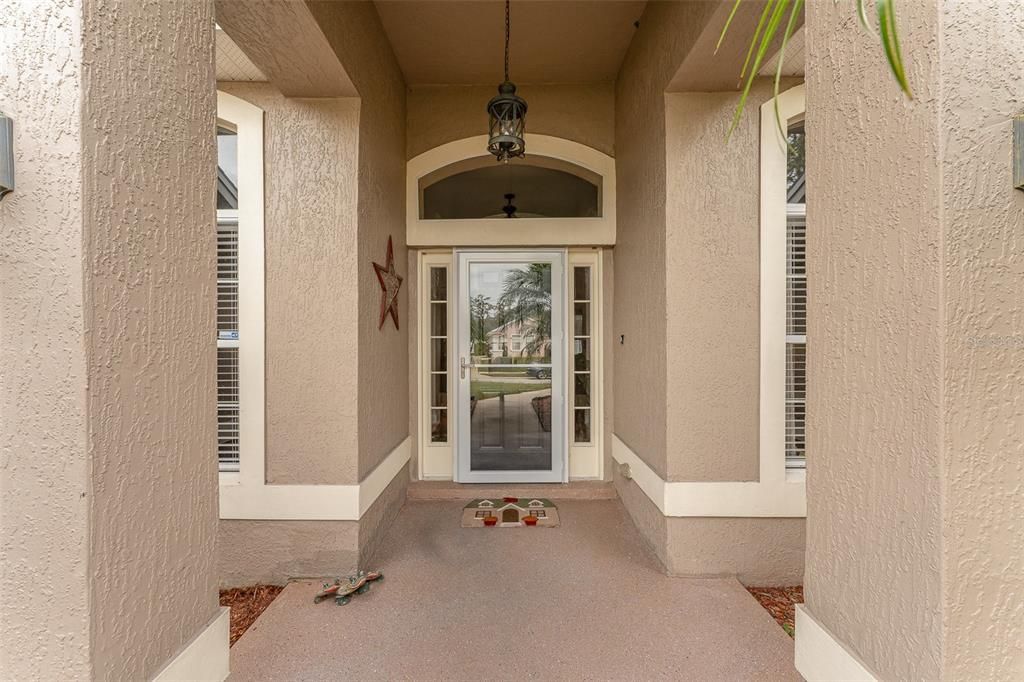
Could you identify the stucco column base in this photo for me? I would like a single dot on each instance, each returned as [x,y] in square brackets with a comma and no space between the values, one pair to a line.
[758,551]
[274,552]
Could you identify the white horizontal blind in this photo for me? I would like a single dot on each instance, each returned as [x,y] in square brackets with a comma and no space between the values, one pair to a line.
[796,334]
[227,343]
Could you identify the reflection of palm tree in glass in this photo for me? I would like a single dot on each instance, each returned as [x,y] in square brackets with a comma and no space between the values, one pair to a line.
[526,299]
[479,310]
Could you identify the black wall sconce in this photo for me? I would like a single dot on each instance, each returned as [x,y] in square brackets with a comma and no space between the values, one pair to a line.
[6,156]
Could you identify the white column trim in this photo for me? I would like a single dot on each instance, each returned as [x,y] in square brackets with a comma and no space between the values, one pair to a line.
[244,499]
[206,657]
[820,655]
[772,496]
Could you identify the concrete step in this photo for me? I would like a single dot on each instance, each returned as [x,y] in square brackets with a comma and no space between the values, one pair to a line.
[448,490]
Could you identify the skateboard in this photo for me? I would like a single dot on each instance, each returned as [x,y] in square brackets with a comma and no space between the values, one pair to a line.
[343,588]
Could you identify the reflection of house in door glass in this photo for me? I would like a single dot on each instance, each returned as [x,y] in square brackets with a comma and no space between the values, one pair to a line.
[510,338]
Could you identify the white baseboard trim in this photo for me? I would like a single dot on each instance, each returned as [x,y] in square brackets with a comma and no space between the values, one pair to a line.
[821,656]
[206,658]
[773,496]
[241,500]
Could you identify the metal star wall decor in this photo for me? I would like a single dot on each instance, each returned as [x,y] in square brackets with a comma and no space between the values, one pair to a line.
[390,283]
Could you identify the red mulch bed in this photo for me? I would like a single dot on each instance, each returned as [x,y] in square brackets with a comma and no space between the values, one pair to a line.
[247,603]
[781,603]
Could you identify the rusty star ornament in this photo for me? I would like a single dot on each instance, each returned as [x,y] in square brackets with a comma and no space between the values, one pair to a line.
[390,283]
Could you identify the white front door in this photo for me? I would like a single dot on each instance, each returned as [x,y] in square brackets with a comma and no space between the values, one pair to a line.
[510,368]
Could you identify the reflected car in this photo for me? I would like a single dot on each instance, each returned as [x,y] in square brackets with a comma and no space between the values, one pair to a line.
[539,372]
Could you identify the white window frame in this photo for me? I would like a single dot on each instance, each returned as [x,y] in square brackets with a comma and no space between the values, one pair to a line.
[586,460]
[247,120]
[791,106]
[529,232]
[436,460]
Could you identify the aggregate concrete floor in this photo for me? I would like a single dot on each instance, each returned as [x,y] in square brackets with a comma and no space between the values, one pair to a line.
[585,600]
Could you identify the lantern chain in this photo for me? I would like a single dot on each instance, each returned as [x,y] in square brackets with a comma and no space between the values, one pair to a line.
[507,30]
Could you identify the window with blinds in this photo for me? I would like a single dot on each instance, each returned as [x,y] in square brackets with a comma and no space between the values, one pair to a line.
[796,300]
[227,301]
[227,344]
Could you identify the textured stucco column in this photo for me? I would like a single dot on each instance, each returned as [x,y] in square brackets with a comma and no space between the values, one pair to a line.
[108,473]
[915,560]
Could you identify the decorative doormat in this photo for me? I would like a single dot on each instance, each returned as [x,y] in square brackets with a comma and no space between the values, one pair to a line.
[510,512]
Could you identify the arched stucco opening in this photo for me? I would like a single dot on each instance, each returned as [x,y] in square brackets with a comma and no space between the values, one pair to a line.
[564,195]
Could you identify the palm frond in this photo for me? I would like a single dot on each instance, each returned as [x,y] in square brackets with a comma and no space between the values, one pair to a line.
[766,32]
[891,42]
[793,16]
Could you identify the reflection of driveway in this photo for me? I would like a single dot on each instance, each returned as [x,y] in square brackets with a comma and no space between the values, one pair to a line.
[506,434]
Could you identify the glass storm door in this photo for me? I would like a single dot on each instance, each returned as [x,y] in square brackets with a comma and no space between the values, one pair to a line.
[511,424]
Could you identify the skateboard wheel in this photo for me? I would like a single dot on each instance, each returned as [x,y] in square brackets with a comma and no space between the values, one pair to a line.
[317,600]
[343,601]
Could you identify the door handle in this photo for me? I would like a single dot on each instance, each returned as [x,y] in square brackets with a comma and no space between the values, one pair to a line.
[463,365]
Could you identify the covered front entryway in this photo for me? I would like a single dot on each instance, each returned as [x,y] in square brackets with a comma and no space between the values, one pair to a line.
[467,604]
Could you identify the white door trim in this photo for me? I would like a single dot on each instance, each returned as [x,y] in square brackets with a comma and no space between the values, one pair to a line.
[559,433]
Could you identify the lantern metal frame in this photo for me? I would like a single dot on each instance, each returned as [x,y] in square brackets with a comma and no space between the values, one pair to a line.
[507,112]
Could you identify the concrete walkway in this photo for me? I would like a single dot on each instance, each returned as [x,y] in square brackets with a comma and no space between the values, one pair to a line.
[585,600]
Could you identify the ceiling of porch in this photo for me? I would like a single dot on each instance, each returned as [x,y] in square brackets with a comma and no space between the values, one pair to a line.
[462,43]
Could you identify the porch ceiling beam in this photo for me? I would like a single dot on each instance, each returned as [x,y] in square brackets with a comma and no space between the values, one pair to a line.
[282,38]
[702,70]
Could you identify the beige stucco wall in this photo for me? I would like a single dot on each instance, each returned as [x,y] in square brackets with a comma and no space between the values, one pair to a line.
[274,552]
[310,171]
[354,31]
[584,113]
[712,265]
[665,34]
[608,329]
[983,383]
[688,246]
[109,486]
[43,464]
[758,551]
[914,558]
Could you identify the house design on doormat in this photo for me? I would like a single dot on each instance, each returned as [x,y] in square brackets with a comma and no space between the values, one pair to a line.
[510,512]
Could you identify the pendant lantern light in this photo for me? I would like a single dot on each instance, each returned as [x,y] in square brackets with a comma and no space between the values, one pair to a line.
[507,112]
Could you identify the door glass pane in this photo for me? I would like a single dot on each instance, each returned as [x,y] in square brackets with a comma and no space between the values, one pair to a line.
[581,284]
[438,319]
[438,284]
[581,319]
[510,380]
[581,390]
[439,390]
[581,355]
[581,432]
[438,355]
[439,426]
